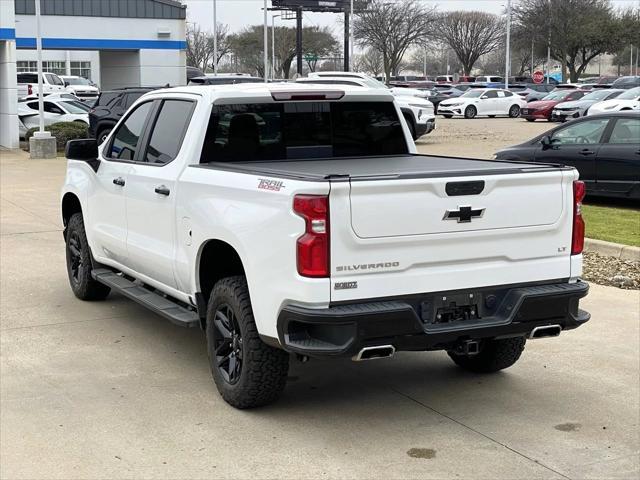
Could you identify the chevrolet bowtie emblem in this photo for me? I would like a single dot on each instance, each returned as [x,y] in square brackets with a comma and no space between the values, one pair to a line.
[464,214]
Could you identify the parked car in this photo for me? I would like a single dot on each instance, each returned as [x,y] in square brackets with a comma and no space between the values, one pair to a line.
[110,107]
[603,148]
[540,90]
[224,79]
[81,87]
[542,109]
[28,84]
[445,92]
[579,108]
[417,111]
[444,79]
[630,81]
[490,80]
[54,109]
[628,100]
[491,102]
[604,79]
[300,220]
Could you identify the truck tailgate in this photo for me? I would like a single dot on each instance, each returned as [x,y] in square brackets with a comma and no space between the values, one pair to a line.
[417,235]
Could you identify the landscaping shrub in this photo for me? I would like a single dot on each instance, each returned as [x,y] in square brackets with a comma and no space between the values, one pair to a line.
[63,131]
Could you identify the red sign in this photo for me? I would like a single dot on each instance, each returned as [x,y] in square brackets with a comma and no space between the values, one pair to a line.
[538,77]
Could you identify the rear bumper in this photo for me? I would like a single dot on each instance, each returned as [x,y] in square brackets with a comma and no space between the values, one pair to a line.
[411,323]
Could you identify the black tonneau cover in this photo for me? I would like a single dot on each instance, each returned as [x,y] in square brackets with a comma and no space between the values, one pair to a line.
[380,167]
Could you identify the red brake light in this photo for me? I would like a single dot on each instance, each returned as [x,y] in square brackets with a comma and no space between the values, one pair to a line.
[577,241]
[313,247]
[29,89]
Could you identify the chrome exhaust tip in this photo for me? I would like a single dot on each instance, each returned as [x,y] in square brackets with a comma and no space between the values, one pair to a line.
[545,331]
[374,353]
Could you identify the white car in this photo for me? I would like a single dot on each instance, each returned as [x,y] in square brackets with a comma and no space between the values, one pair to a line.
[55,110]
[372,83]
[299,219]
[417,111]
[629,100]
[27,84]
[81,87]
[483,101]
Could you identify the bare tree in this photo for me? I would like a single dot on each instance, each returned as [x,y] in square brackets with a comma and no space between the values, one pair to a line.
[200,45]
[392,28]
[369,62]
[471,35]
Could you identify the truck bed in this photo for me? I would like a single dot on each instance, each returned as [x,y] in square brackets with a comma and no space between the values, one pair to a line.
[383,167]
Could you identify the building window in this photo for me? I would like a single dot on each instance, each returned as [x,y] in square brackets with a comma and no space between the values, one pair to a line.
[59,68]
[81,69]
[26,66]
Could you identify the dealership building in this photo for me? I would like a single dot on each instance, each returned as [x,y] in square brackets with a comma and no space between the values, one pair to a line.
[114,43]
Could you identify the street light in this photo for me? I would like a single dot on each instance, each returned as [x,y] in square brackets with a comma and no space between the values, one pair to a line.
[507,63]
[273,46]
[215,40]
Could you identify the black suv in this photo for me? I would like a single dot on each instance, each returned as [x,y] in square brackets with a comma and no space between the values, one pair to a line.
[110,107]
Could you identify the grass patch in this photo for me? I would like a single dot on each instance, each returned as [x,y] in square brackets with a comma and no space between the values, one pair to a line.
[613,224]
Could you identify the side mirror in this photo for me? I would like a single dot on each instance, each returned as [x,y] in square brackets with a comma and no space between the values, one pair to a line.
[483,97]
[546,141]
[66,84]
[85,149]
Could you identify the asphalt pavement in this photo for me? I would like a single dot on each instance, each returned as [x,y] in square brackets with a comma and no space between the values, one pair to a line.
[110,390]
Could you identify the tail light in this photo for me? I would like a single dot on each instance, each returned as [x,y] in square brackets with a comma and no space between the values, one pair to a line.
[29,89]
[313,247]
[577,241]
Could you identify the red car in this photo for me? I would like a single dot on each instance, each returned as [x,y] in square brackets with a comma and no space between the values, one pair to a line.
[541,109]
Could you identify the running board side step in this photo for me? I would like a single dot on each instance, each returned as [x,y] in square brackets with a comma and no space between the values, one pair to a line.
[155,302]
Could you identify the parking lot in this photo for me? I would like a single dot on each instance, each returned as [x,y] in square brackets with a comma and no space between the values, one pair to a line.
[110,390]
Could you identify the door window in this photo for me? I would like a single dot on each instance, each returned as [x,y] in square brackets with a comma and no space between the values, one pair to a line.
[168,131]
[126,139]
[588,132]
[626,130]
[491,94]
[50,107]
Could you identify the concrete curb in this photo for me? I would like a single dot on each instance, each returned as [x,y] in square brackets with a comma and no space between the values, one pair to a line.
[610,249]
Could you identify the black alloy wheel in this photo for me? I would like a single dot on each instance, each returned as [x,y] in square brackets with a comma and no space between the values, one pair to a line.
[227,344]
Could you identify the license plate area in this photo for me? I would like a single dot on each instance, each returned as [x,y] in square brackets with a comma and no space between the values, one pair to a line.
[451,308]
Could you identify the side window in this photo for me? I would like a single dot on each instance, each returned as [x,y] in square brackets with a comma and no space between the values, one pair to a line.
[130,99]
[126,138]
[507,93]
[626,130]
[33,105]
[491,94]
[588,132]
[500,94]
[50,107]
[168,131]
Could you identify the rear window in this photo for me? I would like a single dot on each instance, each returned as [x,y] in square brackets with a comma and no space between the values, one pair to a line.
[27,78]
[107,98]
[250,132]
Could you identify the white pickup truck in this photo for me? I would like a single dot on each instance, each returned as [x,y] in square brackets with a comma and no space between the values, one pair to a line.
[27,84]
[289,218]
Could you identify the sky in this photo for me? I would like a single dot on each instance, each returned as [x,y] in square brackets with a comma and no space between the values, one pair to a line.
[241,13]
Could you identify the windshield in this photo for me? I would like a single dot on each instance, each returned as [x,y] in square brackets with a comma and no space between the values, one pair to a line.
[77,81]
[597,95]
[472,93]
[73,106]
[559,95]
[632,94]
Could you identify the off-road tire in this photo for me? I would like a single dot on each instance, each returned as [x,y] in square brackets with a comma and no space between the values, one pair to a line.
[470,112]
[514,111]
[263,371]
[79,262]
[495,355]
[447,116]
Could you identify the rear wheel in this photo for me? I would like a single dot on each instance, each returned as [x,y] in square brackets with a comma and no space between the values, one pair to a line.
[514,111]
[470,112]
[494,355]
[248,372]
[79,262]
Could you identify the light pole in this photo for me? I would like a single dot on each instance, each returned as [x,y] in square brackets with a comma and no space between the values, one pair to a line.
[40,73]
[351,37]
[215,39]
[265,45]
[273,46]
[507,63]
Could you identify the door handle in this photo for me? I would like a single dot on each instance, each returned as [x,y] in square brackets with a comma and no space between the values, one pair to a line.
[586,151]
[162,190]
[119,181]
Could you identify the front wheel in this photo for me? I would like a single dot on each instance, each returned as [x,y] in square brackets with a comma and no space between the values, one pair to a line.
[79,262]
[470,112]
[247,372]
[514,111]
[494,355]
